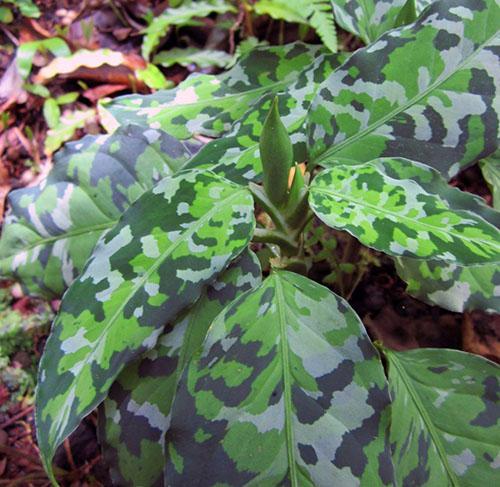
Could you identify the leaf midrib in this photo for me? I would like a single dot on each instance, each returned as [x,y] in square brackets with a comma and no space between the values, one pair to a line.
[425,417]
[287,392]
[359,135]
[196,226]
[409,221]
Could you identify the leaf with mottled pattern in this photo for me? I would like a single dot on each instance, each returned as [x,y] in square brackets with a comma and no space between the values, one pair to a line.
[445,418]
[52,227]
[288,390]
[395,206]
[135,415]
[453,286]
[151,266]
[210,104]
[427,91]
[369,19]
[236,156]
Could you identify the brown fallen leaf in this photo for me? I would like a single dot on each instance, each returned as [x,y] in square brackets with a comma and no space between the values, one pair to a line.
[101,65]
[102,91]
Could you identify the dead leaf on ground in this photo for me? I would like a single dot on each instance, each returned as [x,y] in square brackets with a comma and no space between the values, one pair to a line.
[102,91]
[101,65]
[11,87]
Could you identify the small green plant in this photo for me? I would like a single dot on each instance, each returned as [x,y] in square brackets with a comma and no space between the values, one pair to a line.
[204,369]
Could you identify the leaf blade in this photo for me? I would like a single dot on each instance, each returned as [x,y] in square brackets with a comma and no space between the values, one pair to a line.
[142,274]
[134,448]
[457,434]
[238,385]
[52,228]
[409,107]
[379,204]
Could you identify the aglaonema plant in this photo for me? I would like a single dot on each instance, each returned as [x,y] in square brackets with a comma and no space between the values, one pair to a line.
[208,372]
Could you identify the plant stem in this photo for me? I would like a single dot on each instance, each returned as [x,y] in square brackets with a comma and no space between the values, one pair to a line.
[286,243]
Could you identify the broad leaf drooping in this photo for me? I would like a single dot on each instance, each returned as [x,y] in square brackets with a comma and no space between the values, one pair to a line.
[394,99]
[287,390]
[166,248]
[445,417]
[136,414]
[52,228]
[395,206]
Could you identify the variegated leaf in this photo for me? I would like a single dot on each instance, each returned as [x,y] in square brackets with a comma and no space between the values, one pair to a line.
[136,414]
[209,104]
[427,91]
[395,206]
[288,390]
[445,418]
[369,19]
[236,155]
[450,285]
[455,287]
[52,228]
[152,265]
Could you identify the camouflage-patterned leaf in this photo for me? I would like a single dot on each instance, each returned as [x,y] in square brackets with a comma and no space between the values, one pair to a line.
[490,168]
[208,104]
[152,265]
[445,418]
[395,206]
[288,390]
[236,155]
[452,286]
[426,91]
[369,19]
[136,411]
[53,227]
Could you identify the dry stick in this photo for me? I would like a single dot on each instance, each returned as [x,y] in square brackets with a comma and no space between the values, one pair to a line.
[69,455]
[234,28]
[20,415]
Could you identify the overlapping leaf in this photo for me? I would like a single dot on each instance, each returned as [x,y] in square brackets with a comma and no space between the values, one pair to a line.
[490,168]
[152,265]
[208,104]
[236,155]
[288,390]
[369,19]
[52,228]
[445,418]
[136,411]
[450,285]
[427,91]
[395,205]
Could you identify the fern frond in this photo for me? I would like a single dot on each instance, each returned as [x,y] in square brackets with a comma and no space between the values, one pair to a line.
[317,14]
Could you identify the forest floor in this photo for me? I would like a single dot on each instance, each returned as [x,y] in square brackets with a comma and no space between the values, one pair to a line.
[391,316]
